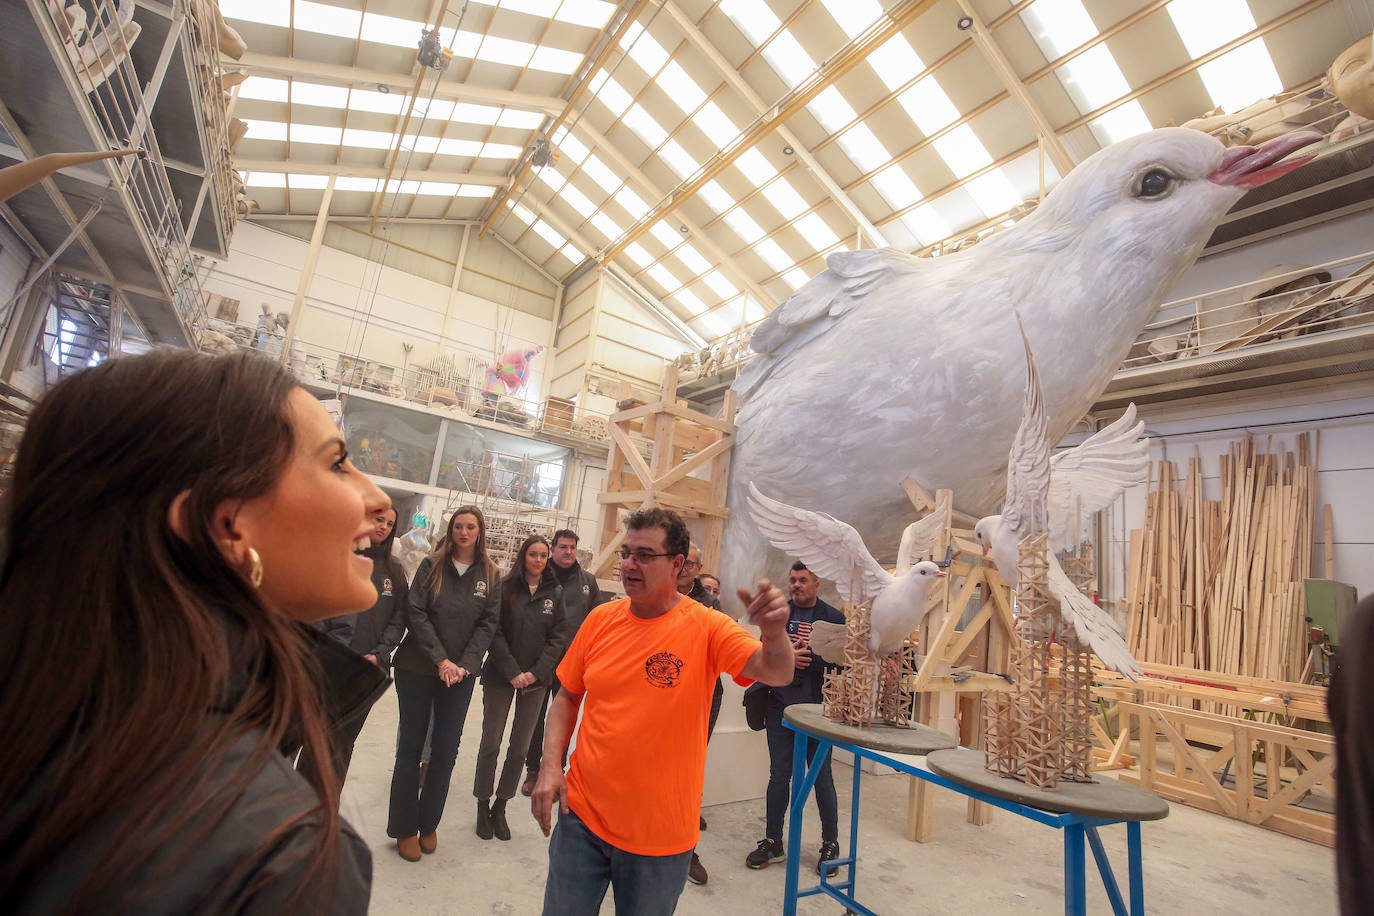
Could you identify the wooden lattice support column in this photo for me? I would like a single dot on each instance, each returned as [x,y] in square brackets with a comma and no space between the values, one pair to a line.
[1037,613]
[1080,565]
[1076,683]
[851,696]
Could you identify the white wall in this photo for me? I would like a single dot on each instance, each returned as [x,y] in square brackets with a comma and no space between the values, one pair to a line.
[359,306]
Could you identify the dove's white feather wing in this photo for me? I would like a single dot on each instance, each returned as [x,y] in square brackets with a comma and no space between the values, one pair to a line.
[829,548]
[1091,624]
[920,537]
[827,640]
[1089,477]
[1028,463]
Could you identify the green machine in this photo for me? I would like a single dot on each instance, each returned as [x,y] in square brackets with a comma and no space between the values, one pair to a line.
[1328,604]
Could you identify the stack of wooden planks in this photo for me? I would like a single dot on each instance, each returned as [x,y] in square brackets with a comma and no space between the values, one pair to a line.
[1218,584]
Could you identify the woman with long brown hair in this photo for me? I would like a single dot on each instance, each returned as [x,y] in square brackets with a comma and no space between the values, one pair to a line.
[528,643]
[452,614]
[153,662]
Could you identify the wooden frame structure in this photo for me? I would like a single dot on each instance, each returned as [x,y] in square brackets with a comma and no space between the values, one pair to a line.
[683,441]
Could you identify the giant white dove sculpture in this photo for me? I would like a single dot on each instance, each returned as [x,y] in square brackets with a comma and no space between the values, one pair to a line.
[886,365]
[834,550]
[1086,481]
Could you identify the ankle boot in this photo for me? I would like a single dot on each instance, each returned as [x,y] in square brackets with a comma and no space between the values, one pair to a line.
[484,821]
[498,819]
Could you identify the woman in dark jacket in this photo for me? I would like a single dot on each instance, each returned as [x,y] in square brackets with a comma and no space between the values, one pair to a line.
[527,646]
[143,711]
[373,634]
[451,612]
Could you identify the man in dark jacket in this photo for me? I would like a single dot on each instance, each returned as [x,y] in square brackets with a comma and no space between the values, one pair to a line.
[1351,704]
[806,608]
[581,593]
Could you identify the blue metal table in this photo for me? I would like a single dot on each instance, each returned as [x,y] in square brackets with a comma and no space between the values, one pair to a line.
[1078,809]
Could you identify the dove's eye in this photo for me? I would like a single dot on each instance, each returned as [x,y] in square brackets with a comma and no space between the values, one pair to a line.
[1155,183]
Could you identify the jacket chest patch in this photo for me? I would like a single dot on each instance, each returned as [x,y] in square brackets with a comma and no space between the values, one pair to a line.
[548,605]
[586,590]
[480,589]
[386,587]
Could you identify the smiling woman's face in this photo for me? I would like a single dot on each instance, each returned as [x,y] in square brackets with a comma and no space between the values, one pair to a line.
[307,528]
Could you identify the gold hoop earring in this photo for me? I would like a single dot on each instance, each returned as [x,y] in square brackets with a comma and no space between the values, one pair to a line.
[254,568]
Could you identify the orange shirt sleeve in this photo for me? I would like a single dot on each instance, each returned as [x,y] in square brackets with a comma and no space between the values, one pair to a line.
[732,647]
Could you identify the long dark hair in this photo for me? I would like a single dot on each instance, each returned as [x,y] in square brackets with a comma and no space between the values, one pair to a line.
[445,550]
[132,660]
[393,566]
[514,586]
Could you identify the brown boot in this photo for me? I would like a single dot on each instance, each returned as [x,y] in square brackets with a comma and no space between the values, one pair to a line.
[429,842]
[409,848]
[527,787]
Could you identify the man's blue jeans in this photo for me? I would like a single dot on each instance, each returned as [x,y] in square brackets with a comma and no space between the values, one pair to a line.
[581,865]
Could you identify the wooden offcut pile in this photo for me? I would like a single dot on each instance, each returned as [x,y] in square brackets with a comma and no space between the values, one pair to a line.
[1218,584]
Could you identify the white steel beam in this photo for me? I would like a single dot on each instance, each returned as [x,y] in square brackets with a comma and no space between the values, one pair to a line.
[297,166]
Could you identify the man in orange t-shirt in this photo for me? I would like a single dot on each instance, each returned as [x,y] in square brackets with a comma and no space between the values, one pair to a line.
[646,666]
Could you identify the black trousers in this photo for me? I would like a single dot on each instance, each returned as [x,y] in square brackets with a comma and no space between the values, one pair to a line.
[497,699]
[781,741]
[415,809]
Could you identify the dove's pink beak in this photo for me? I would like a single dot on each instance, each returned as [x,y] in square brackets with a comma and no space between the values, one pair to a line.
[985,550]
[1251,166]
[939,573]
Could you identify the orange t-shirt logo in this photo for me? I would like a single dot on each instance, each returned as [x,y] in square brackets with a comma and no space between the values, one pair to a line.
[663,669]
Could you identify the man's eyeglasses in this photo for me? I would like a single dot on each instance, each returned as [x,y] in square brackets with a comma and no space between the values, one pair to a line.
[641,556]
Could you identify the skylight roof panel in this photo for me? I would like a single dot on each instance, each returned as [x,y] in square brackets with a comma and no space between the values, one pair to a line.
[715,197]
[408,186]
[438,188]
[643,50]
[314,133]
[474,190]
[678,159]
[264,12]
[895,61]
[551,60]
[639,254]
[327,20]
[831,109]
[785,198]
[500,151]
[663,277]
[863,147]
[744,225]
[577,200]
[548,234]
[719,285]
[1058,26]
[752,310]
[666,234]
[962,151]
[680,88]
[299,182]
[433,110]
[926,224]
[319,95]
[795,278]
[993,192]
[592,14]
[448,146]
[690,302]
[644,125]
[753,17]
[265,130]
[632,203]
[1206,24]
[928,106]
[544,9]
[368,139]
[896,187]
[613,97]
[714,323]
[597,171]
[609,228]
[716,125]
[520,120]
[814,229]
[693,259]
[551,177]
[755,167]
[378,102]
[1237,79]
[263,88]
[573,149]
[265,179]
[389,30]
[475,114]
[788,58]
[497,50]
[570,252]
[1121,123]
[1094,78]
[853,16]
[772,254]
[521,212]
[353,183]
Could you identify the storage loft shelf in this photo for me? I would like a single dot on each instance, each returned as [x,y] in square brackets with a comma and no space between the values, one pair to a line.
[137,240]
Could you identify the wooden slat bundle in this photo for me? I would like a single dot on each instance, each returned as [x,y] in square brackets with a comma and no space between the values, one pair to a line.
[1217,584]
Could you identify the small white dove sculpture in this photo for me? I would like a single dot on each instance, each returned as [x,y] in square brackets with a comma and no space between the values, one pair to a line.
[833,550]
[1088,478]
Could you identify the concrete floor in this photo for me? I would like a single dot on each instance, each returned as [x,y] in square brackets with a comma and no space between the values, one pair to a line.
[1195,862]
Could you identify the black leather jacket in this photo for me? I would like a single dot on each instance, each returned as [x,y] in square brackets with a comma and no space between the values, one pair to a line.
[457,624]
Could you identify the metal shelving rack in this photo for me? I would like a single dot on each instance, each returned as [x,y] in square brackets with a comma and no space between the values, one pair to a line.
[128,223]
